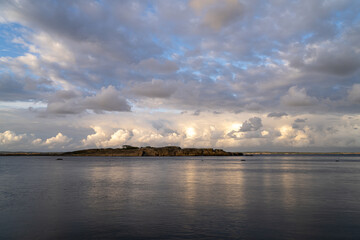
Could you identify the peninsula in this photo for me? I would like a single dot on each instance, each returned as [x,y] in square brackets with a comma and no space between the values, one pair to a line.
[130,151]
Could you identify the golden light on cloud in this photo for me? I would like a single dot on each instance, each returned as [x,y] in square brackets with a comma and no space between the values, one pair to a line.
[284,130]
[190,132]
[264,133]
[235,126]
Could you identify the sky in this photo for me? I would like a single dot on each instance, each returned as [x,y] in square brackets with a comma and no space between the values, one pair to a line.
[238,75]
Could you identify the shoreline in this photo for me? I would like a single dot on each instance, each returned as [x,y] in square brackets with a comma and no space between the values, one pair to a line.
[129,151]
[170,151]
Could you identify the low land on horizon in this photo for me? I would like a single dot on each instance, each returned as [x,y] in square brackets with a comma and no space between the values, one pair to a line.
[129,151]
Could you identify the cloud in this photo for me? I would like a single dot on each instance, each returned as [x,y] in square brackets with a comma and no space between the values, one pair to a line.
[11,89]
[156,66]
[138,137]
[354,93]
[70,102]
[338,57]
[25,88]
[293,137]
[118,138]
[76,51]
[163,126]
[300,120]
[9,140]
[297,97]
[9,137]
[277,114]
[296,125]
[108,99]
[59,139]
[197,113]
[51,50]
[249,129]
[252,124]
[96,138]
[186,130]
[217,14]
[157,88]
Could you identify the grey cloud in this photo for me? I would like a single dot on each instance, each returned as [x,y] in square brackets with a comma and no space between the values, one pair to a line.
[277,114]
[64,95]
[105,40]
[297,126]
[197,113]
[252,124]
[155,89]
[300,120]
[333,59]
[299,123]
[255,134]
[11,89]
[160,123]
[163,127]
[205,95]
[354,93]
[341,63]
[254,106]
[247,135]
[251,128]
[115,26]
[217,14]
[68,102]
[298,98]
[14,88]
[109,99]
[223,15]
[64,107]
[156,66]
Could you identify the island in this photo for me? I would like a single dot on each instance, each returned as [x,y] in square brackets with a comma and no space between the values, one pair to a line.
[130,151]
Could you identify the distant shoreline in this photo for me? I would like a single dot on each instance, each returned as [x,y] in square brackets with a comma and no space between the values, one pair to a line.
[130,151]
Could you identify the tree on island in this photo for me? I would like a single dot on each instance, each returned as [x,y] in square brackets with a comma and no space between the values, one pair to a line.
[129,147]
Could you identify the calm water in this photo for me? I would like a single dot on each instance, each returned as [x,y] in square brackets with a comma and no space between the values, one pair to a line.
[274,197]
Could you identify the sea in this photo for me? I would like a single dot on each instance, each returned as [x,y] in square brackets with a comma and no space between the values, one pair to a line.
[245,197]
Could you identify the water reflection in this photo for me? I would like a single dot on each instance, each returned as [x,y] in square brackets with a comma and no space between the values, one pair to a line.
[289,189]
[185,185]
[179,198]
[204,180]
[188,184]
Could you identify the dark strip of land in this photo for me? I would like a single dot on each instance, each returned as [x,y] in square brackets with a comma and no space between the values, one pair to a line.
[129,151]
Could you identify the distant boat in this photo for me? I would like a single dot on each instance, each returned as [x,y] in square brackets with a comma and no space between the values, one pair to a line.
[243,160]
[59,159]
